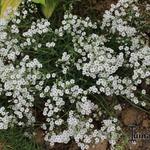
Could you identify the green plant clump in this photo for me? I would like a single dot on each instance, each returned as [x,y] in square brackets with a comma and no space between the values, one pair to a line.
[69,75]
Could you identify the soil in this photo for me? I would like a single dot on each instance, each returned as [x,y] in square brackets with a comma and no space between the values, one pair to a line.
[93,8]
[101,146]
[1,146]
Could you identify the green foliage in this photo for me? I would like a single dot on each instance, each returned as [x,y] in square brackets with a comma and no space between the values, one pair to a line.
[5,4]
[39,1]
[47,6]
[14,139]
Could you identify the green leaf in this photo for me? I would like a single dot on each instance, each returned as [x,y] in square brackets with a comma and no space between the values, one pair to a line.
[5,5]
[49,7]
[42,2]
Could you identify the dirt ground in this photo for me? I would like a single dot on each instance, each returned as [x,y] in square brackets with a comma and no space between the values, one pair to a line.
[93,8]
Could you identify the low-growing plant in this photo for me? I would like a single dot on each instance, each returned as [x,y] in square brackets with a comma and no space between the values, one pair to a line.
[73,74]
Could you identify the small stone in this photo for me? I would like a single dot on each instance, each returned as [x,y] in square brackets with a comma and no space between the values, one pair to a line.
[129,116]
[146,123]
[100,146]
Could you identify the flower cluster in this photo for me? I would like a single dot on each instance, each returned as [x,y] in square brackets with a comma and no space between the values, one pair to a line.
[5,118]
[69,69]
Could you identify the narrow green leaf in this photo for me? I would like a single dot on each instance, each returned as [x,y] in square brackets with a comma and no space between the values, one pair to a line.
[49,7]
[42,2]
[5,5]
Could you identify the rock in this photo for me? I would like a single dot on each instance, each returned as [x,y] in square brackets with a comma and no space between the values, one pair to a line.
[146,123]
[101,146]
[129,116]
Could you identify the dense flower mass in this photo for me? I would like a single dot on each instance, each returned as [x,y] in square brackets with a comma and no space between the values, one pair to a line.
[67,72]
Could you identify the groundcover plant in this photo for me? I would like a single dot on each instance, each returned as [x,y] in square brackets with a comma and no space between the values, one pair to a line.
[73,72]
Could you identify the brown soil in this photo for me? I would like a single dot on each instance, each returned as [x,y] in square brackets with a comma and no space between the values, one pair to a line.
[1,146]
[93,8]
